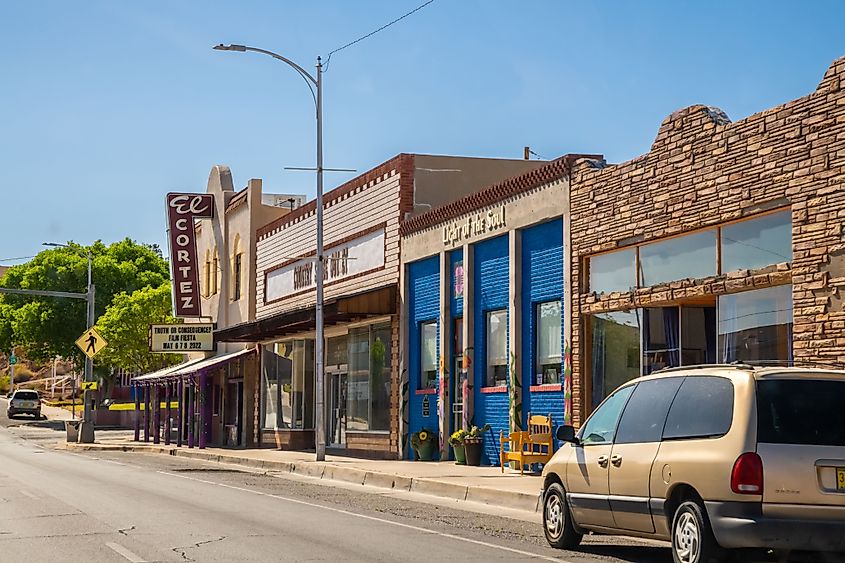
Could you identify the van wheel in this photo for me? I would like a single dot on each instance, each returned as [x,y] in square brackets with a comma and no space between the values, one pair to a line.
[692,537]
[557,521]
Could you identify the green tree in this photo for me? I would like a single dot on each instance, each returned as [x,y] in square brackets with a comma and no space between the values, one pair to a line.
[125,325]
[44,327]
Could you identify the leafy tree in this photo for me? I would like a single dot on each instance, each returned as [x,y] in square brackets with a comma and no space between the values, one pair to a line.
[125,325]
[44,327]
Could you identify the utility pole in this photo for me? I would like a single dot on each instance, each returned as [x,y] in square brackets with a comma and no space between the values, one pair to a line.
[11,374]
[86,430]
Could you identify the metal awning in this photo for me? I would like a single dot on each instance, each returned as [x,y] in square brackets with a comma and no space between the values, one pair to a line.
[190,367]
[163,373]
[348,308]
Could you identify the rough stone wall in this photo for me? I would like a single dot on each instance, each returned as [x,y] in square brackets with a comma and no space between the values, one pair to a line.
[703,170]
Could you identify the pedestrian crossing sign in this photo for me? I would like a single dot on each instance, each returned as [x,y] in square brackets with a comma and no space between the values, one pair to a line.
[91,342]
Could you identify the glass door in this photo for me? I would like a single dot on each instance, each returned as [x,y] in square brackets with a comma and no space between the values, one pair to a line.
[336,428]
[458,375]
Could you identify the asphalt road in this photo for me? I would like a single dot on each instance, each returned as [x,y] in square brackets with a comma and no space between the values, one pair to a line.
[113,506]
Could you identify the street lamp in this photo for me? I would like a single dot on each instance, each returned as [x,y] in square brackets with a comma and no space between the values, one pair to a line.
[87,416]
[320,439]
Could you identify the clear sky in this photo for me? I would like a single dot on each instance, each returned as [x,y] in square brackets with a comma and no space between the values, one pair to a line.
[107,105]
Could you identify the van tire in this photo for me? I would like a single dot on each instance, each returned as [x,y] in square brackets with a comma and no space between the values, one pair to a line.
[557,520]
[692,536]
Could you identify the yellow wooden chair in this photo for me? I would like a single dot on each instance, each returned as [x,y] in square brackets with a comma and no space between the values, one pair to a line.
[536,445]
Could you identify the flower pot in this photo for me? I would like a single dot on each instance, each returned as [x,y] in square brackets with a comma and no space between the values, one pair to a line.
[472,448]
[460,454]
[425,451]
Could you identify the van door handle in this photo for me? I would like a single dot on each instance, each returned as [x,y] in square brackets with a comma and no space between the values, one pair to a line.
[616,460]
[602,460]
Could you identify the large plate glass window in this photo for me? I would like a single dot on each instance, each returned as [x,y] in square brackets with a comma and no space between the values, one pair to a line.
[615,351]
[497,348]
[548,334]
[757,243]
[428,355]
[756,325]
[357,379]
[613,271]
[688,256]
[288,381]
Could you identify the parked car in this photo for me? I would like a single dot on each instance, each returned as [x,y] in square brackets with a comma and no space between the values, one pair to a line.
[24,401]
[712,458]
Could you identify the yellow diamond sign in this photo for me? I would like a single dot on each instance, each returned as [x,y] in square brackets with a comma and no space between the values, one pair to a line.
[91,342]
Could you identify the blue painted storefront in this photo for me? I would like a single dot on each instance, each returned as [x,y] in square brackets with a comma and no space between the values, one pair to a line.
[423,306]
[542,280]
[491,293]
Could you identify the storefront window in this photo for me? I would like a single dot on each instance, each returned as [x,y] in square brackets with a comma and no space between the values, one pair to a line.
[357,388]
[497,348]
[661,348]
[336,351]
[288,385]
[757,243]
[689,256]
[756,325]
[548,342]
[380,359]
[428,355]
[276,373]
[615,351]
[613,271]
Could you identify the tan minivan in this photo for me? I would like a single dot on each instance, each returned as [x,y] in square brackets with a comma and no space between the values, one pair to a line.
[713,458]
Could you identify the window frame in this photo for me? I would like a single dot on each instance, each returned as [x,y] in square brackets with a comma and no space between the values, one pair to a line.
[426,382]
[237,276]
[490,369]
[539,366]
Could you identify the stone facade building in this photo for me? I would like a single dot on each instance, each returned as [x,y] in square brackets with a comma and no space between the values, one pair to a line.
[724,242]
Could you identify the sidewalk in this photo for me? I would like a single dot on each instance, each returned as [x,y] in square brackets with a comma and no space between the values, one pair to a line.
[484,485]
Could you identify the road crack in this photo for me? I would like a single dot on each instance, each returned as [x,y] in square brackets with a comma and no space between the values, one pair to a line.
[182,550]
[125,531]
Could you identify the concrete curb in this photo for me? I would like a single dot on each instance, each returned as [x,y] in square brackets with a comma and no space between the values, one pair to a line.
[325,470]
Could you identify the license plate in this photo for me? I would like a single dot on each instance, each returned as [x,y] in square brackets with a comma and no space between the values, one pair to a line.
[840,479]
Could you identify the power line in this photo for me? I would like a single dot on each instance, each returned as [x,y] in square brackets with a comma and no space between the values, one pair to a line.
[385,26]
[17,258]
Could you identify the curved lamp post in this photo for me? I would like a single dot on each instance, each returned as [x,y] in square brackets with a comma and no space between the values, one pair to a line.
[317,82]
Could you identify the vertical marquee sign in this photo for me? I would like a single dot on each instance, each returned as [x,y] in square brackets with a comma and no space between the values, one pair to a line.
[182,209]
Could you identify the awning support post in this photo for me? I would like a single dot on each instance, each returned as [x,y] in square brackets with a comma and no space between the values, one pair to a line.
[168,421]
[180,419]
[137,419]
[203,400]
[157,414]
[146,413]
[191,399]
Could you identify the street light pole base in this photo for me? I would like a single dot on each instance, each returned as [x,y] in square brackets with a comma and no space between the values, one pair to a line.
[86,432]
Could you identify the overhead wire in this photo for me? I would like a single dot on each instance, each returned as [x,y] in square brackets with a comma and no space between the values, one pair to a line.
[382,28]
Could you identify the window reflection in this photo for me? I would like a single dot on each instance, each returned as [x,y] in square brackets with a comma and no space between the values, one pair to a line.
[689,256]
[616,351]
[756,325]
[613,271]
[757,243]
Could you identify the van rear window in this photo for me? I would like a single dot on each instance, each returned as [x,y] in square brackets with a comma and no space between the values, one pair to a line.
[26,395]
[801,411]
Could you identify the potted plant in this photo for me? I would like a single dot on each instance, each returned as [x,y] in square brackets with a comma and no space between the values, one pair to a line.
[472,444]
[424,444]
[457,442]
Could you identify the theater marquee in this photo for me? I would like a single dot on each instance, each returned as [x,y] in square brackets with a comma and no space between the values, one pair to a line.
[192,337]
[182,209]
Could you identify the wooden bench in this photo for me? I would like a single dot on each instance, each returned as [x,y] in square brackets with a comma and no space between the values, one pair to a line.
[536,445]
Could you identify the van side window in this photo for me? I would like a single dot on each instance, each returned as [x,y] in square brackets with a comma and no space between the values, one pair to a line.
[703,408]
[601,427]
[645,413]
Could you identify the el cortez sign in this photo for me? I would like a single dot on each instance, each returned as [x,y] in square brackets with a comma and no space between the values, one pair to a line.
[182,209]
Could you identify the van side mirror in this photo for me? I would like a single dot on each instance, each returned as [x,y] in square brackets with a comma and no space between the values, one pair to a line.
[566,433]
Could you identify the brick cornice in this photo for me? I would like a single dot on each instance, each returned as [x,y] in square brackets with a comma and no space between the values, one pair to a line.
[554,170]
[398,163]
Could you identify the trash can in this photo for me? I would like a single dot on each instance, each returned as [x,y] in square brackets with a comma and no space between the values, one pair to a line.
[72,428]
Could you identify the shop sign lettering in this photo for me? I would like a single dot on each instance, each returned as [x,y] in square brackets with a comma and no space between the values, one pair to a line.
[358,256]
[192,337]
[182,210]
[474,225]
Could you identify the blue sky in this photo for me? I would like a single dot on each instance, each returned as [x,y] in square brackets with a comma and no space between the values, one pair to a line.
[107,105]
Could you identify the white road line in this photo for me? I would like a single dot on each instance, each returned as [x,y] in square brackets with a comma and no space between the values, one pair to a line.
[374,518]
[26,493]
[128,555]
